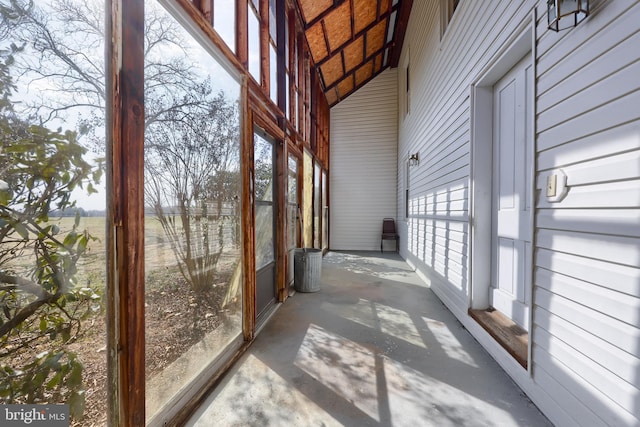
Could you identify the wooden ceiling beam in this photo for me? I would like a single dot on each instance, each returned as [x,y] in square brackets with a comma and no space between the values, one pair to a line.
[384,10]
[318,18]
[354,37]
[352,72]
[352,19]
[355,89]
[326,42]
[310,9]
[336,4]
[338,26]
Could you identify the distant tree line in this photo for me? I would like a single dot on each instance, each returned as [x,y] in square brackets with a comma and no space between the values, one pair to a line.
[81,212]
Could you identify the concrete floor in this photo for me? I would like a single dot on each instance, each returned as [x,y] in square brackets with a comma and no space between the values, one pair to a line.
[374,347]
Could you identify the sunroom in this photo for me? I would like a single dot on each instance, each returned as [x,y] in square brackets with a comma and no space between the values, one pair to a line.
[163,159]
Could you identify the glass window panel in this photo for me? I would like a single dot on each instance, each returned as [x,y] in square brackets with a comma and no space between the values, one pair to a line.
[272,20]
[292,238]
[307,199]
[52,207]
[263,165]
[224,21]
[263,188]
[295,63]
[293,219]
[325,212]
[293,164]
[193,271]
[292,189]
[264,235]
[292,199]
[297,109]
[288,90]
[273,71]
[317,208]
[392,26]
[286,42]
[254,44]
[256,5]
[292,225]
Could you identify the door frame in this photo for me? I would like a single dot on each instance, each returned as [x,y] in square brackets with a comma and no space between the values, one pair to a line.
[515,306]
[298,230]
[520,44]
[263,313]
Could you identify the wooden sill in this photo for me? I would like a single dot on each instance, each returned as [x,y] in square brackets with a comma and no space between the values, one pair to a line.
[509,335]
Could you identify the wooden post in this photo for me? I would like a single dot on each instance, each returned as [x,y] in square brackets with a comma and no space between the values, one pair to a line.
[293,84]
[313,100]
[281,223]
[281,46]
[307,94]
[264,47]
[125,209]
[242,30]
[206,8]
[248,226]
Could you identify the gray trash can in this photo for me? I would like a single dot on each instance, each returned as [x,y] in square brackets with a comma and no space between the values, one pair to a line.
[307,269]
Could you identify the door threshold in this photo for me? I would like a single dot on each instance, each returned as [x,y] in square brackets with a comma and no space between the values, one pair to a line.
[511,336]
[266,315]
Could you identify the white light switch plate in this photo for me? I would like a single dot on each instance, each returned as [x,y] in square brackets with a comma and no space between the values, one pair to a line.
[552,182]
[556,186]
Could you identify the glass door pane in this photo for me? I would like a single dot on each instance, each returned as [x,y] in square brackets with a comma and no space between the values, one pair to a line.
[307,200]
[193,269]
[264,221]
[317,207]
[292,213]
[325,212]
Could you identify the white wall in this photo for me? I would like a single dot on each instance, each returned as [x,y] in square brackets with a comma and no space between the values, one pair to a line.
[587,278]
[585,362]
[363,165]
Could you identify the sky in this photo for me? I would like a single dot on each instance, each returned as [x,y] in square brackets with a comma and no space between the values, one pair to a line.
[201,58]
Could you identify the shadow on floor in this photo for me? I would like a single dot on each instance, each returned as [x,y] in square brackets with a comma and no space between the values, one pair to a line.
[374,347]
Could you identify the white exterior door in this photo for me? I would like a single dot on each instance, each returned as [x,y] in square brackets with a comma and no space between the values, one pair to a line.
[512,166]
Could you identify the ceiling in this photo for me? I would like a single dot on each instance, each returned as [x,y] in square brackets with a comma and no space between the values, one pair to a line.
[352,41]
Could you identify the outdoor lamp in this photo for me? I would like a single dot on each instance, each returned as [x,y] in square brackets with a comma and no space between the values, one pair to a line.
[414,159]
[563,14]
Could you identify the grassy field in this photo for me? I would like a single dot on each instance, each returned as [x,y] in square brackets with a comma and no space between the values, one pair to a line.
[92,267]
[176,317]
[159,253]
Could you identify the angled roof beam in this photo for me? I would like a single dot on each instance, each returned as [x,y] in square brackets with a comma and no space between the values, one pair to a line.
[401,29]
[355,36]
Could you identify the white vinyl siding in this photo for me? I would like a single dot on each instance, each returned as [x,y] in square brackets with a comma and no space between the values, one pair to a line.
[439,129]
[587,277]
[585,360]
[363,178]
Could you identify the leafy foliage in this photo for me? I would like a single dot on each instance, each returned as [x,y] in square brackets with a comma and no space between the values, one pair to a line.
[191,132]
[41,305]
[191,185]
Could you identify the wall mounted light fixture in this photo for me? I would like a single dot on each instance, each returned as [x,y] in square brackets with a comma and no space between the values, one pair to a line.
[563,14]
[414,159]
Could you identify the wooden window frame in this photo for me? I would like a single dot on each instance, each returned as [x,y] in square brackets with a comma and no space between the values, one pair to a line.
[125,171]
[125,211]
